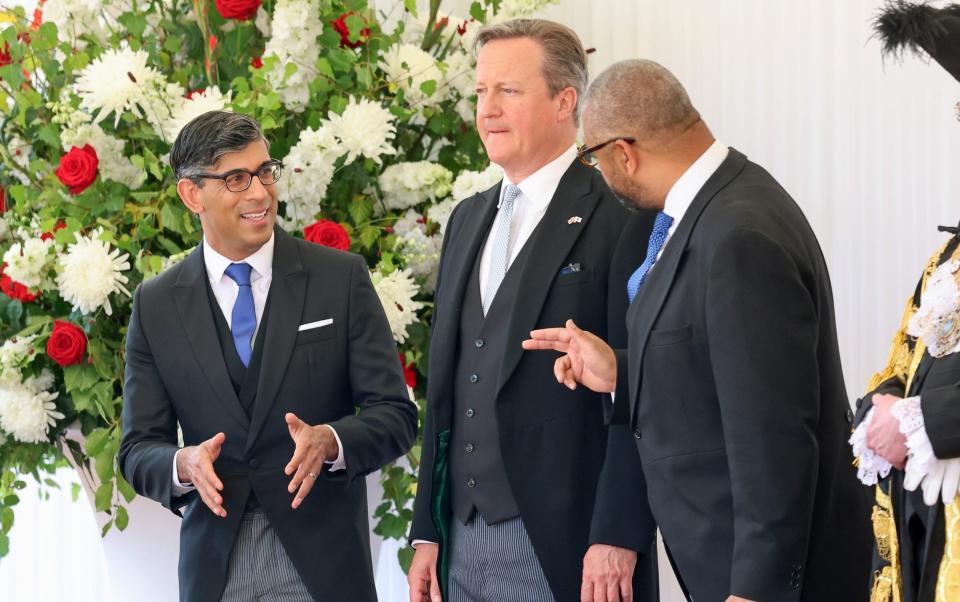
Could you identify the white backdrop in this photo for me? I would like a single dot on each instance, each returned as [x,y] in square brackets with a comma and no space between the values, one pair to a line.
[865,148]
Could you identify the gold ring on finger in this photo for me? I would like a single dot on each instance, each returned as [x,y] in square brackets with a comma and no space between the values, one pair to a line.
[312,475]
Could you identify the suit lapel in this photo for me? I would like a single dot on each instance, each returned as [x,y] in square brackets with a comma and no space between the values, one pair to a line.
[462,253]
[193,305]
[552,241]
[287,295]
[649,301]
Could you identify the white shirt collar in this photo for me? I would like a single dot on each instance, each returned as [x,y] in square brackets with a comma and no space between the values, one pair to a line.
[261,261]
[689,184]
[539,187]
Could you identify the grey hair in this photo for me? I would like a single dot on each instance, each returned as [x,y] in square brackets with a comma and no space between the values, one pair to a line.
[202,142]
[564,62]
[638,98]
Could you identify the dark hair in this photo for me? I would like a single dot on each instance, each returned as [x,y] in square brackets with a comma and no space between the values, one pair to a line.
[202,142]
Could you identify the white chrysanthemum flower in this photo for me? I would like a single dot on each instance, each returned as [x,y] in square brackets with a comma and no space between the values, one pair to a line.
[410,67]
[75,18]
[90,272]
[28,414]
[515,9]
[469,183]
[117,81]
[295,27]
[20,151]
[29,261]
[364,128]
[410,221]
[13,354]
[440,212]
[308,169]
[114,164]
[396,291]
[422,254]
[210,99]
[407,184]
[161,102]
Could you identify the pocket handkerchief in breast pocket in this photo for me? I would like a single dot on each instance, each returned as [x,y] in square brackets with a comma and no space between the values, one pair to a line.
[317,324]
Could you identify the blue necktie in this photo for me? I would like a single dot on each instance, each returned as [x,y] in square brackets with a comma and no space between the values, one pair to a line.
[501,244]
[244,316]
[661,227]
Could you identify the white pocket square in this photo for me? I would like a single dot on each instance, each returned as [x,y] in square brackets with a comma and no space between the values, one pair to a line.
[317,324]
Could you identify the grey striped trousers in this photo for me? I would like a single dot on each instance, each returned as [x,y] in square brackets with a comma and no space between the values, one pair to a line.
[494,563]
[260,570]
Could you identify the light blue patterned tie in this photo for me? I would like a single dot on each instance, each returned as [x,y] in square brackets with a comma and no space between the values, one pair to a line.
[661,227]
[243,321]
[501,244]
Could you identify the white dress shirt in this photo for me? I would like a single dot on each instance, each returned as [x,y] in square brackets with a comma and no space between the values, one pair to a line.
[685,189]
[536,190]
[225,290]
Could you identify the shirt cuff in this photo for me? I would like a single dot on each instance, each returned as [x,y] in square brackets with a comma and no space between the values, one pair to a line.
[178,487]
[417,542]
[870,467]
[339,463]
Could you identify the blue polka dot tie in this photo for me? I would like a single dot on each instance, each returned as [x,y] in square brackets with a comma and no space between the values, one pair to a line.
[244,316]
[661,227]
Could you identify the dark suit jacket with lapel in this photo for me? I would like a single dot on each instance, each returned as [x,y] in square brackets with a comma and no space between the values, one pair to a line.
[738,401]
[552,439]
[176,374]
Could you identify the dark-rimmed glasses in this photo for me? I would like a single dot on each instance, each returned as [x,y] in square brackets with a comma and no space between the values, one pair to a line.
[587,156]
[238,180]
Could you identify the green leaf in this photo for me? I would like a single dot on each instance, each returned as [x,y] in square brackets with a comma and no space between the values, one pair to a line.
[428,87]
[50,134]
[323,66]
[4,545]
[405,556]
[6,519]
[14,312]
[75,491]
[477,12]
[135,24]
[79,377]
[11,500]
[122,518]
[125,489]
[411,6]
[103,496]
[97,441]
[106,528]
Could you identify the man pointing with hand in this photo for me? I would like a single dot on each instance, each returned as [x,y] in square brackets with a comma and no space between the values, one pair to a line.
[262,348]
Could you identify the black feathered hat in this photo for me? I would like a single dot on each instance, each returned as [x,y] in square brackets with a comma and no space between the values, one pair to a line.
[920,27]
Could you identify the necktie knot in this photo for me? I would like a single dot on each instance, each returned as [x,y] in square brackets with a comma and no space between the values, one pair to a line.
[510,195]
[239,273]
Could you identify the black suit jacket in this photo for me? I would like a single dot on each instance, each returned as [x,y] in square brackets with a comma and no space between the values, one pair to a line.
[738,402]
[176,374]
[552,439]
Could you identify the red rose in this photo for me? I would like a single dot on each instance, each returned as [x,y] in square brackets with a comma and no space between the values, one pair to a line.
[256,62]
[5,58]
[78,168]
[328,234]
[3,200]
[67,343]
[340,25]
[14,289]
[408,373]
[238,9]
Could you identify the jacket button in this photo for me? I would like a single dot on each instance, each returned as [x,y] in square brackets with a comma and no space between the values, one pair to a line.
[636,434]
[254,463]
[478,343]
[470,412]
[474,378]
[472,483]
[469,448]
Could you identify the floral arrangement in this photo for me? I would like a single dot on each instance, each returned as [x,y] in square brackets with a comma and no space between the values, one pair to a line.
[371,112]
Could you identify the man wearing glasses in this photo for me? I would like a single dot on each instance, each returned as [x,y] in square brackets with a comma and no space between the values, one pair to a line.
[732,374]
[262,348]
[511,461]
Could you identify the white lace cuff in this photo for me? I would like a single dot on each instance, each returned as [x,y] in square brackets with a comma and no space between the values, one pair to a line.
[871,467]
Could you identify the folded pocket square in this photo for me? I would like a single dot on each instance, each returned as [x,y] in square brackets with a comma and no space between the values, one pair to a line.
[317,324]
[570,268]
